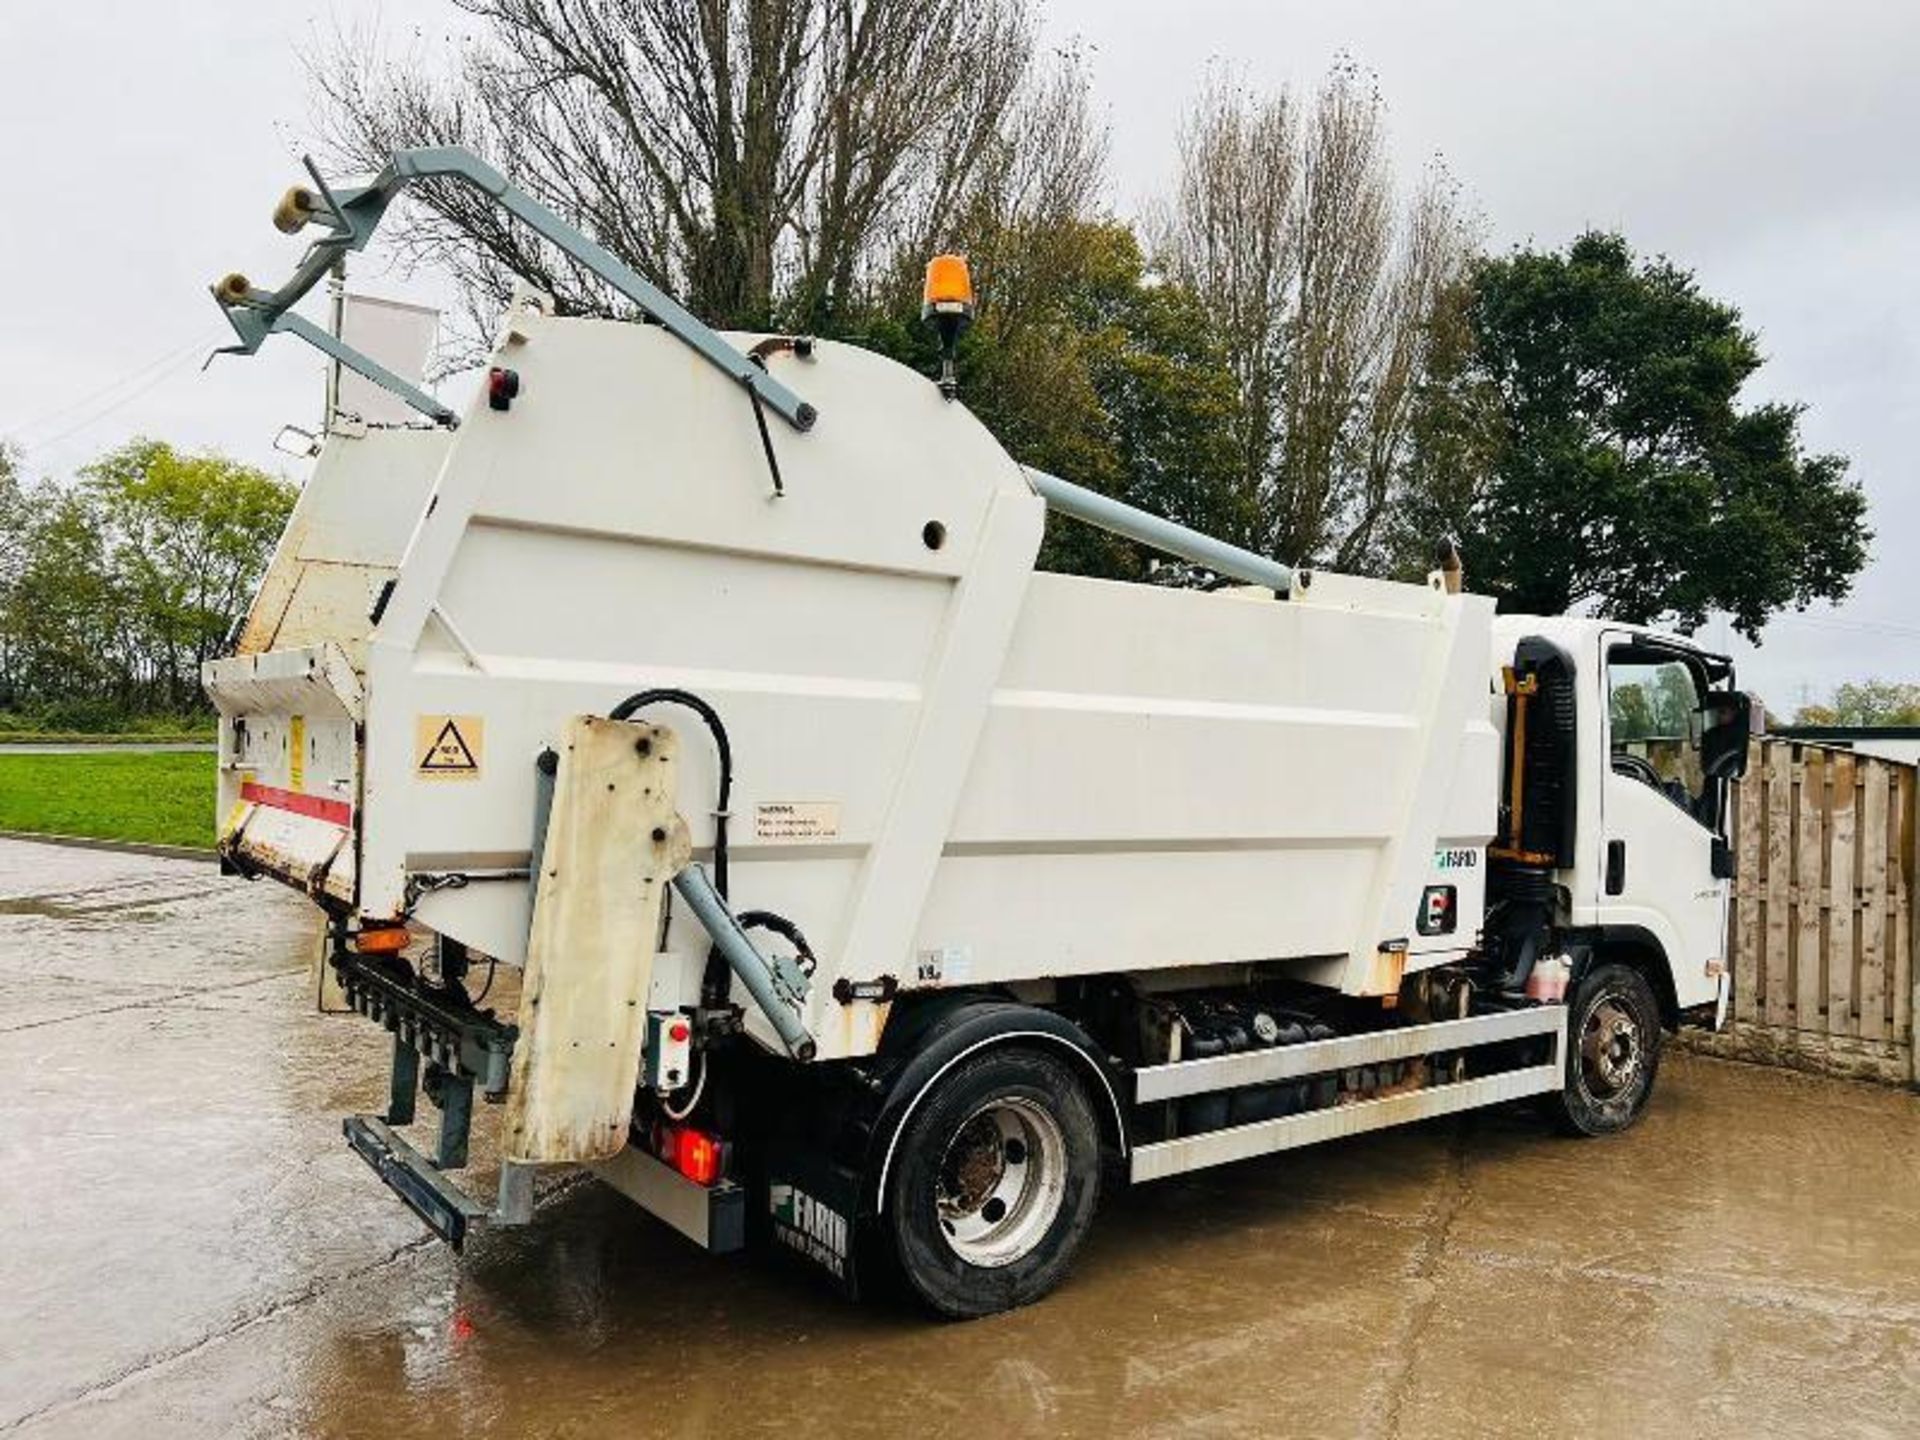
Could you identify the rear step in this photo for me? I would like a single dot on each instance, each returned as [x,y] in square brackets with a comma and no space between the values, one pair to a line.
[448,1210]
[462,1046]
[465,1047]
[1225,1072]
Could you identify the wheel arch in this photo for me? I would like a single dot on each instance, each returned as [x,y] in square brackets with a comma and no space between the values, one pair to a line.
[946,1034]
[1640,949]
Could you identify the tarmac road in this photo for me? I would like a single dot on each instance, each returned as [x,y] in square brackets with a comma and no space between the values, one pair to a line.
[187,1248]
[116,747]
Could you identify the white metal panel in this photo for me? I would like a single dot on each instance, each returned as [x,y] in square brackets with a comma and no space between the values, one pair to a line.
[288,763]
[392,333]
[344,540]
[1033,774]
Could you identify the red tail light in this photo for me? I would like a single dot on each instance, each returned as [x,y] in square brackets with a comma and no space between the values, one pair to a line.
[701,1157]
[697,1156]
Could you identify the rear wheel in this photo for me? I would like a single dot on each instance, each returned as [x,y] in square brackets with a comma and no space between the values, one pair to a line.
[994,1183]
[1613,1037]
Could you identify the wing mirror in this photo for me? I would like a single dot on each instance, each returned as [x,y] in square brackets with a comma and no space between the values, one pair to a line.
[1729,726]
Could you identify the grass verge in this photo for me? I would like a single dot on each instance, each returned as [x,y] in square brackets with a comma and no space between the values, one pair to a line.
[161,799]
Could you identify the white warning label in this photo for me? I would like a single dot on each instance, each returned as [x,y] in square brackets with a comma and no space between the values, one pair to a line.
[790,820]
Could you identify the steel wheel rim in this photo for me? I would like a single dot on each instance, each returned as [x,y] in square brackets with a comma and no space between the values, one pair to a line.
[1612,1049]
[1001,1182]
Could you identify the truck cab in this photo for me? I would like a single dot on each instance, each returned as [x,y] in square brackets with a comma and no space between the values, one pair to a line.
[1662,740]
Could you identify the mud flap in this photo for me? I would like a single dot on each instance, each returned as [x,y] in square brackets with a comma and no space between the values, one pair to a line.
[808,1208]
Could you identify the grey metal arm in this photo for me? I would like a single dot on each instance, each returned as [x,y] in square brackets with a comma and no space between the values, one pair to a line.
[1110,515]
[777,986]
[351,216]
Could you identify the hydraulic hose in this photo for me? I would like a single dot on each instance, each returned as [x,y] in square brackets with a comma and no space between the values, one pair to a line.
[713,979]
[780,925]
[626,709]
[756,972]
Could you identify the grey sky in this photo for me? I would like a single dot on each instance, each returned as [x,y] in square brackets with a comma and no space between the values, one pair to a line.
[1765,144]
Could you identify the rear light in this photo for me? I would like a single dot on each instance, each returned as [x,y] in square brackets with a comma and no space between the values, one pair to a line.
[701,1157]
[697,1157]
[382,940]
[503,387]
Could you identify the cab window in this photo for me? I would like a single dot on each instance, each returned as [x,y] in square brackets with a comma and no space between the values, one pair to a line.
[1654,715]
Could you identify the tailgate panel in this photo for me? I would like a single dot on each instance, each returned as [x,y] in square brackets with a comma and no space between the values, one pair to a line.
[290,766]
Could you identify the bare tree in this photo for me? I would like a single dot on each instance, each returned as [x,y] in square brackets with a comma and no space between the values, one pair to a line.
[764,159]
[1420,329]
[1322,283]
[1229,236]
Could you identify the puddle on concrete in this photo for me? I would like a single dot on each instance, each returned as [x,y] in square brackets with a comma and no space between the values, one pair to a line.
[193,1251]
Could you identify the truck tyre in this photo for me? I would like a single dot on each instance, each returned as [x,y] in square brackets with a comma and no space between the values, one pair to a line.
[993,1183]
[1613,1052]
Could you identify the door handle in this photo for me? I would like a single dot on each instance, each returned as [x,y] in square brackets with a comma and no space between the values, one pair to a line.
[1616,866]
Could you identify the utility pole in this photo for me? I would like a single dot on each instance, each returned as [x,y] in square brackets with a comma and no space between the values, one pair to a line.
[337,295]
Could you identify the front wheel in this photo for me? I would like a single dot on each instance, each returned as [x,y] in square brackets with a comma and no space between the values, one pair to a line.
[994,1183]
[1613,1038]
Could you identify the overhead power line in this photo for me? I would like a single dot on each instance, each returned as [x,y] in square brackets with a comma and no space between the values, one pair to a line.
[98,404]
[1848,623]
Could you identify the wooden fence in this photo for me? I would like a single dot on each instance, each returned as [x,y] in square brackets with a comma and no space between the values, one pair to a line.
[1821,933]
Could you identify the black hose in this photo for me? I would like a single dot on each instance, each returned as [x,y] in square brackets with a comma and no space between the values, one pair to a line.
[715,979]
[668,696]
[780,925]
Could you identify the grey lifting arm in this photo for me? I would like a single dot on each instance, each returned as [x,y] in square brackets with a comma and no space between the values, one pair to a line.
[350,217]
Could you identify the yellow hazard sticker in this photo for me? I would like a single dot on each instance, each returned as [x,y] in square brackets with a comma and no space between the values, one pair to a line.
[448,747]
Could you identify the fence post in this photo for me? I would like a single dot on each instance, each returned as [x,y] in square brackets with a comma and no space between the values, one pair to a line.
[1911,861]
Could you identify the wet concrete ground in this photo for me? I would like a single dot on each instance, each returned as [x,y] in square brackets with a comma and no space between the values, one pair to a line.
[187,1248]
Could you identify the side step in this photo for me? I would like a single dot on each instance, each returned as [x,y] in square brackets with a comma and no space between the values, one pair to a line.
[1255,1067]
[448,1210]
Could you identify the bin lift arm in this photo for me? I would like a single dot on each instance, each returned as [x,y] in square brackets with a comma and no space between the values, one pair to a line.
[350,216]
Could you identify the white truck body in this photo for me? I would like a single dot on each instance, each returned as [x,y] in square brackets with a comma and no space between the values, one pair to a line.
[951,769]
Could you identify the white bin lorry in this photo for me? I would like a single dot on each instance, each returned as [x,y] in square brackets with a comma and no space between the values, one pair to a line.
[873,894]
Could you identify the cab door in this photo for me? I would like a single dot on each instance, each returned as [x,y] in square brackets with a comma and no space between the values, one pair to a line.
[1662,814]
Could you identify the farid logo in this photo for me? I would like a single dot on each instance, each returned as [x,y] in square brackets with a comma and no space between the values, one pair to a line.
[810,1228]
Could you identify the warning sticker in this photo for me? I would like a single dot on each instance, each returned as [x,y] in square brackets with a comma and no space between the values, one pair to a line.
[448,747]
[297,754]
[797,820]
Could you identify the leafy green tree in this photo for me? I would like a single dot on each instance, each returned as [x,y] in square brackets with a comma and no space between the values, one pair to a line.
[115,588]
[14,513]
[1867,702]
[189,537]
[1633,717]
[1624,474]
[60,629]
